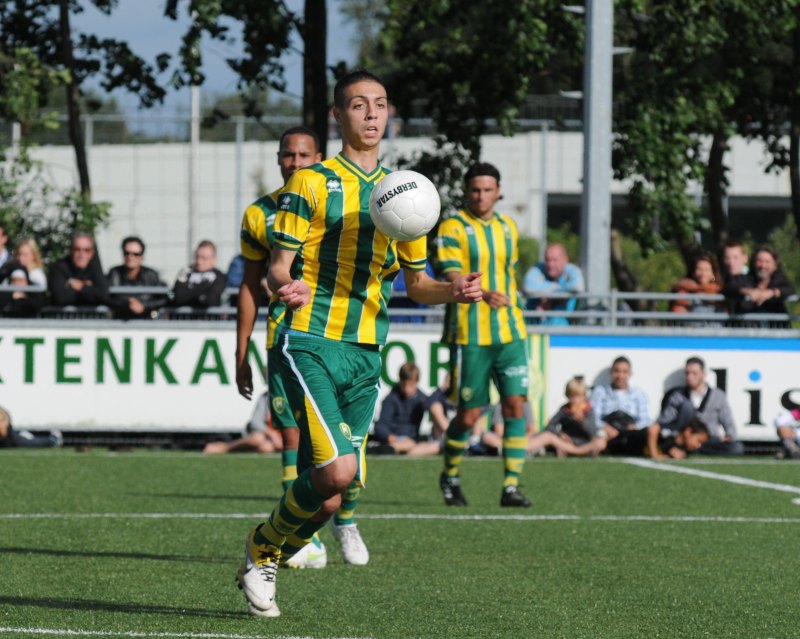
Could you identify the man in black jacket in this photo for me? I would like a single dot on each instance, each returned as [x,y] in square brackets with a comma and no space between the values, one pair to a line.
[202,284]
[78,280]
[134,273]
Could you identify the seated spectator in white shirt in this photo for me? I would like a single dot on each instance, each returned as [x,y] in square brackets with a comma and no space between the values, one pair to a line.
[619,406]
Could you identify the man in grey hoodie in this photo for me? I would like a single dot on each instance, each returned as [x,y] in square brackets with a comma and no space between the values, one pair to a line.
[698,399]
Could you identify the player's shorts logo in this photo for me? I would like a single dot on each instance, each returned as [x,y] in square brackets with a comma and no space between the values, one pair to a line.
[345,430]
[278,405]
[466,393]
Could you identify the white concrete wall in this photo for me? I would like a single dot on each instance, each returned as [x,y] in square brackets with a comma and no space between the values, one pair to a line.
[148,186]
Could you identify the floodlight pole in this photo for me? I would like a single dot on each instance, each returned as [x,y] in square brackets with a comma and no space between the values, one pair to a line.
[194,172]
[596,197]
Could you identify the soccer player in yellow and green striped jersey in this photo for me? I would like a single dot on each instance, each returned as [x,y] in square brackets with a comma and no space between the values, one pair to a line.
[488,340]
[332,270]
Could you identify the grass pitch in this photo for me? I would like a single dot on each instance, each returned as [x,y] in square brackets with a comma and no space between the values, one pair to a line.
[146,544]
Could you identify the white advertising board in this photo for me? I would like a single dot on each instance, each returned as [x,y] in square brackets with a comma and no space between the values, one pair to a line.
[180,377]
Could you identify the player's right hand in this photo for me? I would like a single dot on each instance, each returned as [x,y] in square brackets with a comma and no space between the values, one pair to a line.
[496,299]
[244,380]
[467,288]
[296,294]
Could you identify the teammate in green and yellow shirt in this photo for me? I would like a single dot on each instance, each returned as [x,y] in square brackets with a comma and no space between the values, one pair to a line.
[331,273]
[297,149]
[488,340]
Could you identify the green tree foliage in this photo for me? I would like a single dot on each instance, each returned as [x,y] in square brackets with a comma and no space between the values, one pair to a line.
[464,64]
[29,205]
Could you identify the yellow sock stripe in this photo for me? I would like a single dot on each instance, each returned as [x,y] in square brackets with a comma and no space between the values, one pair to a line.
[294,508]
[515,442]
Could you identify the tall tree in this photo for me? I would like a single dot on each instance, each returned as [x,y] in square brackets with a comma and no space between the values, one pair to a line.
[44,27]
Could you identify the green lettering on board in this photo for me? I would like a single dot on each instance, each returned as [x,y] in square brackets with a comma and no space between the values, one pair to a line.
[63,359]
[217,367]
[155,359]
[409,353]
[437,363]
[106,354]
[28,343]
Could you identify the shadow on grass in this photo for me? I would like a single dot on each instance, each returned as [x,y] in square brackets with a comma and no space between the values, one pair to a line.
[50,552]
[105,606]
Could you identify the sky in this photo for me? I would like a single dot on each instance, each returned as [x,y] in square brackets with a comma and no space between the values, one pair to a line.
[142,25]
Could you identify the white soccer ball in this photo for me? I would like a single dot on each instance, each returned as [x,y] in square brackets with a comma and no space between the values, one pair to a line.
[404,205]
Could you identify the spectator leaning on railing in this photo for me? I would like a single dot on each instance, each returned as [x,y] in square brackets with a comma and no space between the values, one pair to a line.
[764,289]
[77,279]
[4,256]
[555,275]
[703,277]
[133,273]
[27,254]
[202,284]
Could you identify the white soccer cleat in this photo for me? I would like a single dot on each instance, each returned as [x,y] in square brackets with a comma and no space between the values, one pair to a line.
[312,555]
[257,575]
[353,548]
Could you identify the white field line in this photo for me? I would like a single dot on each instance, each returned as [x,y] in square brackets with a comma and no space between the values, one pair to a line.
[415,516]
[731,479]
[59,632]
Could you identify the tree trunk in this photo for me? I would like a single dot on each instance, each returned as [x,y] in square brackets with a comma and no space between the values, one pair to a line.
[73,101]
[626,280]
[716,191]
[794,135]
[315,79]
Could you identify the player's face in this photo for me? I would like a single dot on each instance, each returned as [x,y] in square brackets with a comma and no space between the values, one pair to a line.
[620,375]
[364,115]
[483,191]
[298,151]
[695,376]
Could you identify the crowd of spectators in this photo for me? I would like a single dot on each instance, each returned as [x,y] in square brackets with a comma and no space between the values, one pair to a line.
[77,283]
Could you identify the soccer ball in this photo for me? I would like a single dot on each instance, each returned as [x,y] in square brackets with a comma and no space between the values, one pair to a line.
[404,205]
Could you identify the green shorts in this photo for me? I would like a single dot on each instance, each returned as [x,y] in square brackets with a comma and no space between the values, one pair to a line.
[332,388]
[472,367]
[282,416]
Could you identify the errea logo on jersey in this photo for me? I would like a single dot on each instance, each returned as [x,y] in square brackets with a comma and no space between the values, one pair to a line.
[286,200]
[334,186]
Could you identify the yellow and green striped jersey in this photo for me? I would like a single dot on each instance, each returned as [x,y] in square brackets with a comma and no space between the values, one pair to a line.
[465,244]
[257,240]
[323,214]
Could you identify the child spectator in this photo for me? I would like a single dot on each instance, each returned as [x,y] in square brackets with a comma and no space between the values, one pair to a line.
[661,443]
[575,421]
[27,254]
[401,415]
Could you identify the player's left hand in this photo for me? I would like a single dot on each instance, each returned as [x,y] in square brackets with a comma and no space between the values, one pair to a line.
[296,294]
[467,288]
[496,299]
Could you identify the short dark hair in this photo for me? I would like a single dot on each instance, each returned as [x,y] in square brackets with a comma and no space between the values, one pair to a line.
[409,371]
[133,238]
[357,75]
[300,130]
[621,360]
[697,426]
[482,168]
[696,360]
[207,244]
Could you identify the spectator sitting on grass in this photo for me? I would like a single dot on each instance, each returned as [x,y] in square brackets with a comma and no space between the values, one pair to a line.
[575,422]
[788,425]
[10,438]
[619,406]
[656,442]
[401,415]
[259,435]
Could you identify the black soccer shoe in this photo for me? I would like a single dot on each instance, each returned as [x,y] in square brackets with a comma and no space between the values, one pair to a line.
[451,490]
[513,498]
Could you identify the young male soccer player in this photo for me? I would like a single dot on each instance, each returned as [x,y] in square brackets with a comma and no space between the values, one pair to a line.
[298,148]
[331,271]
[488,340]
